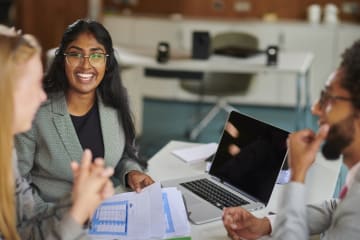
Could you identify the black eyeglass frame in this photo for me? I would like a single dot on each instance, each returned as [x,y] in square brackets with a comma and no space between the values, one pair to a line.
[326,97]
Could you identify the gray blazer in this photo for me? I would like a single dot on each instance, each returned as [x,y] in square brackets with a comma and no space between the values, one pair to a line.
[43,225]
[45,152]
[334,219]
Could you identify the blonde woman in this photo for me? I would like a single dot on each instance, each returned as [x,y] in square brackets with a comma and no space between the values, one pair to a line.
[21,94]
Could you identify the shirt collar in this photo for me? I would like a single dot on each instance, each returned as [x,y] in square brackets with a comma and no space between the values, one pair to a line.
[351,174]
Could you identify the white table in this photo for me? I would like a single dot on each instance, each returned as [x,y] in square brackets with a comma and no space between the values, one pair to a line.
[297,63]
[321,181]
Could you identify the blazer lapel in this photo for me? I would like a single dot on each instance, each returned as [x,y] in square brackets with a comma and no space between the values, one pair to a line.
[65,128]
[113,135]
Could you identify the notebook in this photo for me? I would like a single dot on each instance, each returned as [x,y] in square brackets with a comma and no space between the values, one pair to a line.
[243,172]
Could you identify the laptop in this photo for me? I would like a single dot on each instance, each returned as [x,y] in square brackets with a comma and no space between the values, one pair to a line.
[243,172]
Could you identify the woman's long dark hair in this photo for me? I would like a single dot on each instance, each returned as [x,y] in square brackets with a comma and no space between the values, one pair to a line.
[111,89]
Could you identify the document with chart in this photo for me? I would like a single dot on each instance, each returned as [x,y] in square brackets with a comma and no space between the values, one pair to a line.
[154,213]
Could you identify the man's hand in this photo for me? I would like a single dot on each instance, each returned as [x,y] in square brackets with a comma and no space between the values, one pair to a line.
[303,146]
[138,180]
[241,224]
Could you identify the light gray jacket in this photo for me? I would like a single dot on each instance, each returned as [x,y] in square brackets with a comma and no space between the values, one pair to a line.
[54,223]
[336,220]
[45,152]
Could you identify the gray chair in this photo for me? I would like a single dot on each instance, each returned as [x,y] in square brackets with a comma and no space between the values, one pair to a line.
[221,85]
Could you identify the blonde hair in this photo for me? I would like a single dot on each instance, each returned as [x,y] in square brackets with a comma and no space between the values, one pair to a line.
[15,49]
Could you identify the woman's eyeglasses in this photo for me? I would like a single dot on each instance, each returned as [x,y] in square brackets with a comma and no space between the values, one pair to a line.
[326,98]
[95,59]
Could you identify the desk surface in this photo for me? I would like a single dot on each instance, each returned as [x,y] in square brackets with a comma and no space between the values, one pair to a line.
[321,181]
[288,62]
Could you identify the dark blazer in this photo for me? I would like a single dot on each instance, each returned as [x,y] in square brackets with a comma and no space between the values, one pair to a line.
[45,152]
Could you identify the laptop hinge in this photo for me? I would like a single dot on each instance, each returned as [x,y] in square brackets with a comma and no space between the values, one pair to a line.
[241,192]
[234,188]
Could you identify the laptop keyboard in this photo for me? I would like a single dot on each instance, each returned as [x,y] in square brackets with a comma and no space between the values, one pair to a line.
[214,194]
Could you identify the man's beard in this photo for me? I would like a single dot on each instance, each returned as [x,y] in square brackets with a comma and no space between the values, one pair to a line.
[339,137]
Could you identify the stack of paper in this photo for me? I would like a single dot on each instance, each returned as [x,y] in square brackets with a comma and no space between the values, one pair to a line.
[196,154]
[154,213]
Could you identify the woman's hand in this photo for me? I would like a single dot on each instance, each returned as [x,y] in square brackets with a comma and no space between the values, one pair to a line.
[138,180]
[91,186]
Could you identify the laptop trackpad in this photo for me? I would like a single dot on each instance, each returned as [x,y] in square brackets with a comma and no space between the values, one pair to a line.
[200,212]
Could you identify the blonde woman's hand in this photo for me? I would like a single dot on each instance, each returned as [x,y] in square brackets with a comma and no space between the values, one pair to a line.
[91,186]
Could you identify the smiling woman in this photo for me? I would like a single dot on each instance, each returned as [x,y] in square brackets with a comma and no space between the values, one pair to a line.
[84,77]
[87,108]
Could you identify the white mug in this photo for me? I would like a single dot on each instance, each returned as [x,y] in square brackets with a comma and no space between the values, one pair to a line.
[330,13]
[314,13]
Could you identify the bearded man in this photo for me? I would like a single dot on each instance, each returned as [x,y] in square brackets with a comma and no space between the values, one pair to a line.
[338,111]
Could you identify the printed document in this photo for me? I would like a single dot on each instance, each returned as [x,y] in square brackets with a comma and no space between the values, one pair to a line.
[196,154]
[154,213]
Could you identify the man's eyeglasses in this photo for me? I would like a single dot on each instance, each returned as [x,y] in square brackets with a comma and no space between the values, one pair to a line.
[95,59]
[326,98]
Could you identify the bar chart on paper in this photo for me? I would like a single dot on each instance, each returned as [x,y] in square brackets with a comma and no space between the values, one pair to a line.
[154,213]
[111,218]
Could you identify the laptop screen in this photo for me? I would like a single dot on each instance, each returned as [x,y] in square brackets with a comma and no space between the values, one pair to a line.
[250,155]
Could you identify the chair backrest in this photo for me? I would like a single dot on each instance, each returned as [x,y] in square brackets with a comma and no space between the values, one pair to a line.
[234,39]
[222,84]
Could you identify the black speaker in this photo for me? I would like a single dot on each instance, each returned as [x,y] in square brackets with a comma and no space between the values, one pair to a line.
[163,52]
[272,55]
[200,45]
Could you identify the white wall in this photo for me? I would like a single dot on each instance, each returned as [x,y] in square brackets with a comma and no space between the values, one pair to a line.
[326,42]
